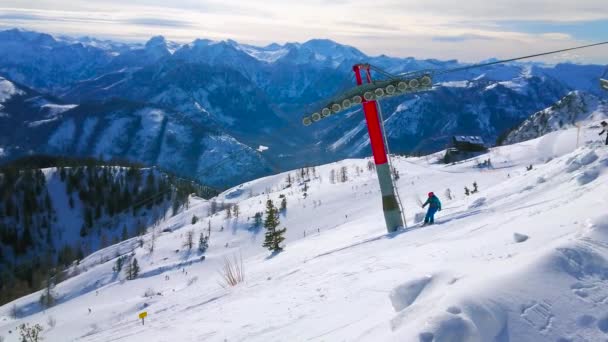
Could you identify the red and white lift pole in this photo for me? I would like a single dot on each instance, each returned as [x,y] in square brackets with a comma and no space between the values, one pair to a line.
[390,205]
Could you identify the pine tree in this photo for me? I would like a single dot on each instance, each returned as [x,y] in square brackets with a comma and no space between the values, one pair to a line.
[467,191]
[194,219]
[189,243]
[474,188]
[273,237]
[47,298]
[289,180]
[284,204]
[343,174]
[236,211]
[132,270]
[125,234]
[257,220]
[229,212]
[203,243]
[135,268]
[370,166]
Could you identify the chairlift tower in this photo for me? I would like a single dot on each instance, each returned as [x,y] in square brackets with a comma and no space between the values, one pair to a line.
[367,94]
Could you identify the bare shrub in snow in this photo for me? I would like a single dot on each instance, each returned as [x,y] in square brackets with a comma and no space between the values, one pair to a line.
[149,292]
[30,333]
[14,312]
[189,240]
[51,321]
[232,271]
[192,280]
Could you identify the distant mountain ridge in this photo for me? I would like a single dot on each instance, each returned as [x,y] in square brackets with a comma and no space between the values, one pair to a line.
[575,108]
[257,95]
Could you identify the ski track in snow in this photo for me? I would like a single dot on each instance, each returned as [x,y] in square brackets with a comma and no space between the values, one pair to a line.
[471,277]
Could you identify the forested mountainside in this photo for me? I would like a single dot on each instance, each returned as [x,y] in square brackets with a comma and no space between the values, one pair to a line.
[55,211]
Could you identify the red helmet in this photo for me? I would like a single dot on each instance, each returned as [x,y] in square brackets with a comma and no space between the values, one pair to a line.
[431,194]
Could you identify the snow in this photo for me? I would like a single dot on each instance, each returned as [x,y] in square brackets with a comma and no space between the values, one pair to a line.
[8,90]
[456,84]
[62,138]
[267,55]
[56,109]
[113,137]
[471,277]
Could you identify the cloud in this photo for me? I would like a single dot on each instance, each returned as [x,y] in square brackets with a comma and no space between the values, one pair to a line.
[468,29]
[461,38]
[158,22]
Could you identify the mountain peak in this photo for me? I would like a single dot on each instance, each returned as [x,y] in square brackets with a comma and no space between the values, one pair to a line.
[156,41]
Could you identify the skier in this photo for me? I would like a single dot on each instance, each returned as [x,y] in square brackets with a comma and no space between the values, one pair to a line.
[605,129]
[434,206]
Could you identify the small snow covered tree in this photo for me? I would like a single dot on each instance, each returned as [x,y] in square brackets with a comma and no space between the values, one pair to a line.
[229,212]
[47,298]
[274,237]
[257,220]
[343,174]
[370,166]
[448,194]
[475,188]
[194,219]
[30,333]
[132,270]
[289,180]
[284,204]
[189,242]
[236,211]
[395,173]
[119,264]
[203,243]
[467,191]
[332,176]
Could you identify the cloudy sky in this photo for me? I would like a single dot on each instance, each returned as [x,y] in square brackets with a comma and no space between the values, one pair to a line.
[469,30]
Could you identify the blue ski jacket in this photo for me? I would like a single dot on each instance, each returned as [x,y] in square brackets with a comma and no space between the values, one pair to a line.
[433,203]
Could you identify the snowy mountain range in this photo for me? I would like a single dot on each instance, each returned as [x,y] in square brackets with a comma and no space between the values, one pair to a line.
[251,96]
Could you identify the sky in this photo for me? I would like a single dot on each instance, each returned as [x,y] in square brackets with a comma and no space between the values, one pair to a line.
[468,30]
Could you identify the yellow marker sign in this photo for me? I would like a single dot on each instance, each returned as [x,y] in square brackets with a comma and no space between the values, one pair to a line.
[143,315]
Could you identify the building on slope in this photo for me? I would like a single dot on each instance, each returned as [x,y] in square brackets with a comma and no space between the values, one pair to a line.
[464,147]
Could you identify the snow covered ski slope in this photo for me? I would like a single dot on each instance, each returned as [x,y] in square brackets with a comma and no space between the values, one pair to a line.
[523,259]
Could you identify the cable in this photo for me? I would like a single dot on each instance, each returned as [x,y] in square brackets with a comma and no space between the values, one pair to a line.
[517,58]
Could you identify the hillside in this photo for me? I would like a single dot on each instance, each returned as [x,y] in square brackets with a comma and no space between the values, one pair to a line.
[524,259]
[575,108]
[218,96]
[191,146]
[55,211]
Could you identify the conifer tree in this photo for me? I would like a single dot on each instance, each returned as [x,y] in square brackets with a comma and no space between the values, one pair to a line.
[274,237]
[229,212]
[132,270]
[257,220]
[189,243]
[125,234]
[203,243]
[284,204]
